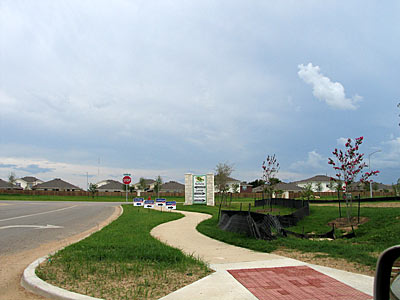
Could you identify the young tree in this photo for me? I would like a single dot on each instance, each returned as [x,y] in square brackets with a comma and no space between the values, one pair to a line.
[307,192]
[319,187]
[349,165]
[142,184]
[270,168]
[157,185]
[221,176]
[92,189]
[12,178]
[235,187]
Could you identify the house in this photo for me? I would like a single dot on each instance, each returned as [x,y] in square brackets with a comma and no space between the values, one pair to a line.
[233,185]
[55,185]
[245,187]
[363,187]
[27,182]
[282,189]
[110,186]
[4,185]
[150,183]
[319,183]
[172,187]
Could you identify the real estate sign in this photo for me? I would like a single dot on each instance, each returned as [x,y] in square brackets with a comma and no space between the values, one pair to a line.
[199,189]
[160,202]
[138,202]
[171,204]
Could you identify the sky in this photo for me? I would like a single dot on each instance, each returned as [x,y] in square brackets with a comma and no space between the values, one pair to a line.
[90,90]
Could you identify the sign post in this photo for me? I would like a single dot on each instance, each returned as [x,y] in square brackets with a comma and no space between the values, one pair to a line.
[127,180]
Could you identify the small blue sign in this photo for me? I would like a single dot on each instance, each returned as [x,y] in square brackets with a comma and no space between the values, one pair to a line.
[138,202]
[160,202]
[170,204]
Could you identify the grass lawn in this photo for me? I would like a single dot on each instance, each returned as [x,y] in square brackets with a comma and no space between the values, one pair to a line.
[380,232]
[75,198]
[123,261]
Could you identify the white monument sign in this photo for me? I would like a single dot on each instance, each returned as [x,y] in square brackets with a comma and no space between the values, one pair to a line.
[199,189]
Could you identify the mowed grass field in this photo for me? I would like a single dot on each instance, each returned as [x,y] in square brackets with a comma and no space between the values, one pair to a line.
[382,230]
[123,261]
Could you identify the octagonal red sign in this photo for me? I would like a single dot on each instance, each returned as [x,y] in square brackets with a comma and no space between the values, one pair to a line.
[126,180]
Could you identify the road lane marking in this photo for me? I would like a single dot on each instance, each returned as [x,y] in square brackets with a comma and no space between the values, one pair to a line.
[32,226]
[41,213]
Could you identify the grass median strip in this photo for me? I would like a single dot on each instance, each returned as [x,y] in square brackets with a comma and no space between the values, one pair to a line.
[123,261]
[380,232]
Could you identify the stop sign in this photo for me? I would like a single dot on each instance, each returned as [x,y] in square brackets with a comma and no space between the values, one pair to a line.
[126,180]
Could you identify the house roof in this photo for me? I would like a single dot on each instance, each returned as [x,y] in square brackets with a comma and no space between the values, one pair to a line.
[172,185]
[232,179]
[30,179]
[147,181]
[317,178]
[56,183]
[291,186]
[8,185]
[112,185]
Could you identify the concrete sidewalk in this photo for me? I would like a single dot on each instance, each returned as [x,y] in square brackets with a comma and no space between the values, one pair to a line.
[245,274]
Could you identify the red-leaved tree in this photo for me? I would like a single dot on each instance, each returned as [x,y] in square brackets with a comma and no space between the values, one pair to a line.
[348,165]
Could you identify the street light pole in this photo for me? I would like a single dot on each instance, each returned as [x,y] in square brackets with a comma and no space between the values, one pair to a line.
[369,165]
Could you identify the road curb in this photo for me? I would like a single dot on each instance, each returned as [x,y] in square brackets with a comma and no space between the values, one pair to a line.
[37,286]
[34,284]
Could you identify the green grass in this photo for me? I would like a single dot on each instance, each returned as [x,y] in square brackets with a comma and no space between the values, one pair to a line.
[123,261]
[380,232]
[22,197]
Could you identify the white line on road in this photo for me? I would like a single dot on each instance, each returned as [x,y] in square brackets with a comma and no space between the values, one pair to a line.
[32,226]
[41,213]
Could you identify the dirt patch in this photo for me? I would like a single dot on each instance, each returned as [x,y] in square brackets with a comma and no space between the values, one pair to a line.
[12,266]
[324,259]
[343,223]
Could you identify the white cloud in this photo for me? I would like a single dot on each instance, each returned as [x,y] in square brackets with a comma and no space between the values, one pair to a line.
[315,161]
[341,141]
[326,90]
[390,156]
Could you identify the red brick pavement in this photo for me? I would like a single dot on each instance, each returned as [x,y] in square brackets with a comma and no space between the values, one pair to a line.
[291,283]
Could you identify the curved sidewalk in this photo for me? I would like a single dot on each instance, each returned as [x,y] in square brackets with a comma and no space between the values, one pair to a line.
[241,273]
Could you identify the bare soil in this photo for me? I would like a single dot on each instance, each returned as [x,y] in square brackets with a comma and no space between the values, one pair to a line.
[12,266]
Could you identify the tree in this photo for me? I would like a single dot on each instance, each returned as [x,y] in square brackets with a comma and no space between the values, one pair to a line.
[12,178]
[257,182]
[221,177]
[319,187]
[157,185]
[142,184]
[235,187]
[307,192]
[92,189]
[348,165]
[270,168]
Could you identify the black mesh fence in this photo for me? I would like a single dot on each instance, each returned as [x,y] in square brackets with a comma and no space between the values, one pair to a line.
[292,203]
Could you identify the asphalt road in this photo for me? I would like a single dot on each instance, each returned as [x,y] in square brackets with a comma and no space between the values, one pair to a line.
[25,225]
